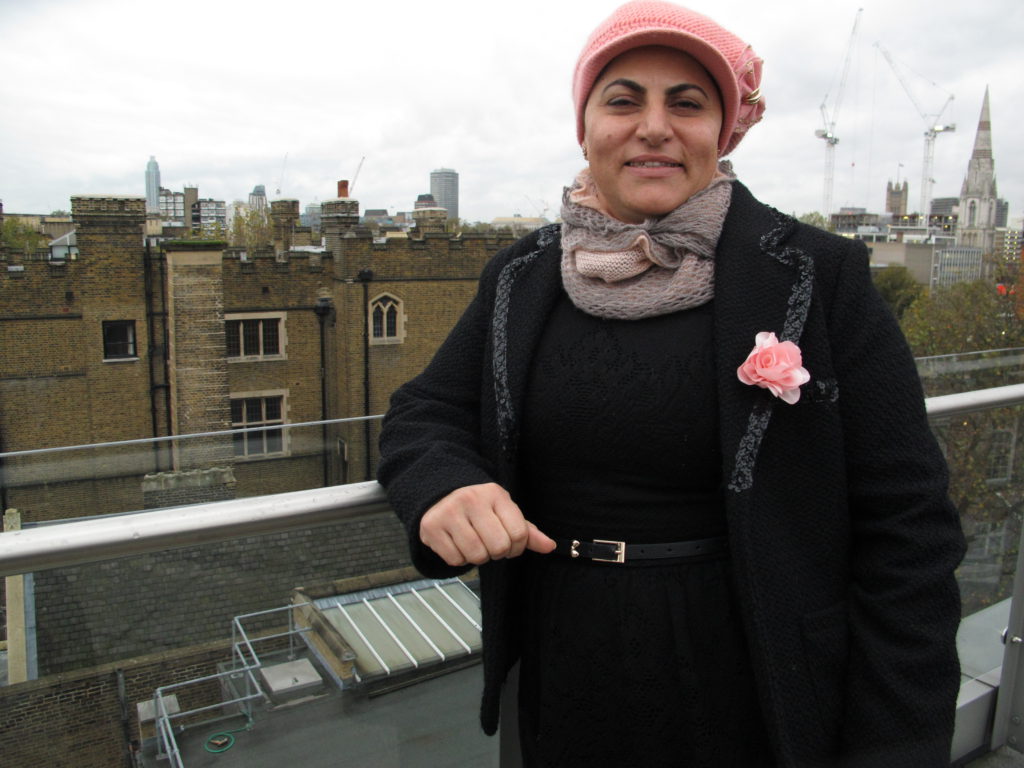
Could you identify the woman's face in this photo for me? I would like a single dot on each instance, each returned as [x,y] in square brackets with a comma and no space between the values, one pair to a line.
[651,128]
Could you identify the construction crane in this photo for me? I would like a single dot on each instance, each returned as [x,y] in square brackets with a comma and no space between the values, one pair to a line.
[828,133]
[352,186]
[542,213]
[932,128]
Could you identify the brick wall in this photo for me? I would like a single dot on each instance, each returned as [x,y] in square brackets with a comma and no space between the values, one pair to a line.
[55,387]
[76,720]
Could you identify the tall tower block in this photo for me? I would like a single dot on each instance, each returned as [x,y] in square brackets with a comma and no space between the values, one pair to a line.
[152,186]
[444,186]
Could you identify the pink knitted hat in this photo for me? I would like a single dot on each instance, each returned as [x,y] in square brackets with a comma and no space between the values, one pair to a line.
[732,64]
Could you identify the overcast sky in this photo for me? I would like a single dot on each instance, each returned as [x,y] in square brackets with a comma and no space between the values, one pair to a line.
[293,95]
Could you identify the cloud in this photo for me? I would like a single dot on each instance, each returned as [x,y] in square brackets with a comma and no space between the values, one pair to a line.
[221,93]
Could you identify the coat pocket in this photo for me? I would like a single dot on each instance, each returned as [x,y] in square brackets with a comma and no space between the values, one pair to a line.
[826,648]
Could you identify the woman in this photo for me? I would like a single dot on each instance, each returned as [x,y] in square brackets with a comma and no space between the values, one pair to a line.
[685,442]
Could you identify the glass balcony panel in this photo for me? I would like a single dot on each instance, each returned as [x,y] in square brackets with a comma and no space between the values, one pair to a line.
[166,617]
[114,478]
[969,371]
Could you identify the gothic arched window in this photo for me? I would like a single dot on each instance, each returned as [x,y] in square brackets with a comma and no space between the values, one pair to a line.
[387,320]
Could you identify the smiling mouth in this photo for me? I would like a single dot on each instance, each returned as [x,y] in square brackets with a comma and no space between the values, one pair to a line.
[654,164]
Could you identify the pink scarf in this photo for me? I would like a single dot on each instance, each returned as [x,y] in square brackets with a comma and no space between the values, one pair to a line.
[627,271]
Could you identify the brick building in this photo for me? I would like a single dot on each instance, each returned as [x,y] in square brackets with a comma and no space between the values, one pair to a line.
[137,339]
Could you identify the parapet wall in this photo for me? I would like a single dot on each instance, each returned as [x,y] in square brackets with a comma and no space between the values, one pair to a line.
[430,257]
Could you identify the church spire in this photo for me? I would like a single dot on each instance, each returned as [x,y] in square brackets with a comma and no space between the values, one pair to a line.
[981,172]
[979,203]
[983,139]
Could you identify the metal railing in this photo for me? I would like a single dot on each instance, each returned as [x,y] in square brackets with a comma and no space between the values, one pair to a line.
[97,539]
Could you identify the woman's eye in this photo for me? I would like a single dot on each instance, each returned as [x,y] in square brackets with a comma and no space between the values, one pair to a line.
[686,104]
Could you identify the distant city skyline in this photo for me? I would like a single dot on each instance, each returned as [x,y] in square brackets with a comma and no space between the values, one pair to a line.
[95,106]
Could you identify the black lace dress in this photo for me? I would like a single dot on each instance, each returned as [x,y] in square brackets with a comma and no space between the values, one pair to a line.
[643,665]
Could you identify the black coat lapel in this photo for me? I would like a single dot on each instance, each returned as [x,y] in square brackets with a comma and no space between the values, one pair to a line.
[761,284]
[528,287]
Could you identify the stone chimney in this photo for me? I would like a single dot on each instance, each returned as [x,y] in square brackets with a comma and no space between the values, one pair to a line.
[338,217]
[430,220]
[284,216]
[109,233]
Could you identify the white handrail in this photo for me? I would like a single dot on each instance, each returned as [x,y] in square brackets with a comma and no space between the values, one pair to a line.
[135,533]
[97,539]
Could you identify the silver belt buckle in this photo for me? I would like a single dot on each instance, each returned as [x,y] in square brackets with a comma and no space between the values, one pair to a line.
[620,552]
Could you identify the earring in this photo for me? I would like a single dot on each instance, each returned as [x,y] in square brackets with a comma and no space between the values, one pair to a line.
[584,148]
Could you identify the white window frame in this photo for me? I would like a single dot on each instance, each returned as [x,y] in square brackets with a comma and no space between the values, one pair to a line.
[384,301]
[245,437]
[133,354]
[282,335]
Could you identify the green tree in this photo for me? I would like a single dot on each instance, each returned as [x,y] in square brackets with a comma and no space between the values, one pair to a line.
[955,326]
[965,317]
[19,237]
[251,229]
[898,288]
[477,227]
[815,219]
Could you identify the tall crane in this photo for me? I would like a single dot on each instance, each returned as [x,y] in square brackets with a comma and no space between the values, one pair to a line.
[352,186]
[932,128]
[828,133]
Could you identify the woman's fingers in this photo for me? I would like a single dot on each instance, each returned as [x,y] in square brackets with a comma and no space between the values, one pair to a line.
[478,523]
[539,542]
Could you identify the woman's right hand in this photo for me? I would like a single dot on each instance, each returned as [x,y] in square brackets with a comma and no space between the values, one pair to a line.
[478,523]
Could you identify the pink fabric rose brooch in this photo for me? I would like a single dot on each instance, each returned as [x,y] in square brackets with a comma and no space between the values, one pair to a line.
[775,366]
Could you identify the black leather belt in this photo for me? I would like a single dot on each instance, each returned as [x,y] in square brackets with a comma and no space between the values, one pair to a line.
[604,551]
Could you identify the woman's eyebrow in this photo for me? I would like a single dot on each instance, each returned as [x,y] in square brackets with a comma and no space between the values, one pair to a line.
[675,90]
[633,85]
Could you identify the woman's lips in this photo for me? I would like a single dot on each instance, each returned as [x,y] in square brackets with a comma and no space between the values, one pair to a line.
[653,164]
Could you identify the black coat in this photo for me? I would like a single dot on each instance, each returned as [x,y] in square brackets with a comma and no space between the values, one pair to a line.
[843,539]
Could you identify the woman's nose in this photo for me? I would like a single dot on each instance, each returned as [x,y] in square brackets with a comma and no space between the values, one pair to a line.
[654,128]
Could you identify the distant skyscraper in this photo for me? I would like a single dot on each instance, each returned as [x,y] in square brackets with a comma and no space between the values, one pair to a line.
[444,186]
[258,198]
[152,186]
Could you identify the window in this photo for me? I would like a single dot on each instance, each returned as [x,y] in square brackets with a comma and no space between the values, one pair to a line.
[259,411]
[255,337]
[387,321]
[118,339]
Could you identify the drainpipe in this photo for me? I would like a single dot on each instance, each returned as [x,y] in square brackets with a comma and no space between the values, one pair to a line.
[365,276]
[322,310]
[154,386]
